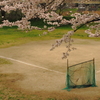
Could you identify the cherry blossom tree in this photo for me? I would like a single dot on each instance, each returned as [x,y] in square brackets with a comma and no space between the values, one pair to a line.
[46,10]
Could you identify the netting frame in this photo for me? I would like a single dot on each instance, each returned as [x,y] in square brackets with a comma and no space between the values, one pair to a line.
[67,76]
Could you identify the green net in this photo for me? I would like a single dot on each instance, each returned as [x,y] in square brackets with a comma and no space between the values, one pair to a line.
[81,75]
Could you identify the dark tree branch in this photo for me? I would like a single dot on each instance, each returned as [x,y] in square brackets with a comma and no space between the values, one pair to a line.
[86,23]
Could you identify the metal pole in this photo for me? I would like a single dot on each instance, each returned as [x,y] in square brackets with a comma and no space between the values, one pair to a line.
[67,77]
[94,81]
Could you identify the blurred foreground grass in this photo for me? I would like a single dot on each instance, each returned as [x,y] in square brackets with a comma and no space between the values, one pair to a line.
[4,61]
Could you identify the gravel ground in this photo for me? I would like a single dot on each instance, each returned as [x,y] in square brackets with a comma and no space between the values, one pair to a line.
[43,72]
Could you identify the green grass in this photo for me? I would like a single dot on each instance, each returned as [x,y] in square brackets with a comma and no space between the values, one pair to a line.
[13,36]
[3,61]
[71,9]
[67,10]
[80,34]
[10,94]
[98,9]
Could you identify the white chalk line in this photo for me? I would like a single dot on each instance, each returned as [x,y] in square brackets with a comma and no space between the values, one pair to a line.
[35,65]
[31,64]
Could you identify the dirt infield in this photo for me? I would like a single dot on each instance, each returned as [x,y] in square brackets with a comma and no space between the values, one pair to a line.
[43,72]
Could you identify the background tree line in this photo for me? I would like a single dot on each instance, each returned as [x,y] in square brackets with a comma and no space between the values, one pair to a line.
[12,16]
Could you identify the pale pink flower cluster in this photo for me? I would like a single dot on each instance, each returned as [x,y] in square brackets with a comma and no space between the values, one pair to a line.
[52,16]
[51,29]
[66,39]
[96,32]
[82,19]
[31,9]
